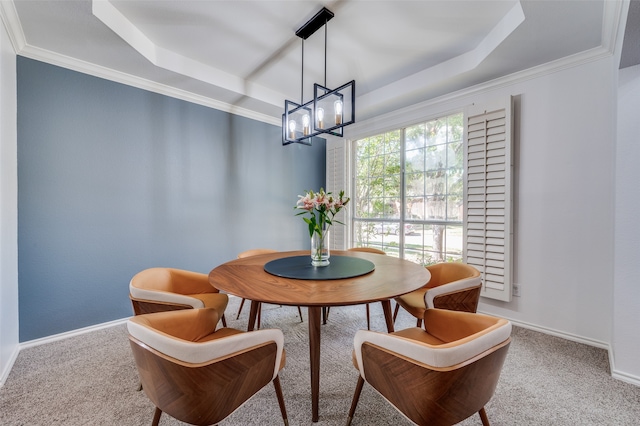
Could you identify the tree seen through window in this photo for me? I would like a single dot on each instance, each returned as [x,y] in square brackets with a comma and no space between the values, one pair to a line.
[408,196]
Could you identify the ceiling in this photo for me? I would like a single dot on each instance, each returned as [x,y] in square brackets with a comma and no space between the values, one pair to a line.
[244,57]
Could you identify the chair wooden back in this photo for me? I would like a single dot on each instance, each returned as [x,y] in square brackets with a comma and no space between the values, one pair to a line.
[467,294]
[450,397]
[440,375]
[218,381]
[203,394]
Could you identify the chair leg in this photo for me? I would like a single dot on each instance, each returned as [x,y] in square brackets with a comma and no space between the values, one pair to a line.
[368,318]
[156,417]
[325,314]
[395,312]
[240,308]
[224,321]
[356,397]
[259,316]
[300,313]
[483,417]
[283,410]
[419,323]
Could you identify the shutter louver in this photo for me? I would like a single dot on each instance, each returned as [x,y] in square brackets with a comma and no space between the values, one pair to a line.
[336,181]
[488,205]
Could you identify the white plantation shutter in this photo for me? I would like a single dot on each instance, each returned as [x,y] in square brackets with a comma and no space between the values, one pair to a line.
[337,181]
[488,198]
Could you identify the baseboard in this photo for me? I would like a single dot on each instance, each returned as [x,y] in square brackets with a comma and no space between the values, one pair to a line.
[561,334]
[628,378]
[77,332]
[9,365]
[72,333]
[619,375]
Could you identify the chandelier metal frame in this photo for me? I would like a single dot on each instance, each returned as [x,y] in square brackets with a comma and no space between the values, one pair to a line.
[302,121]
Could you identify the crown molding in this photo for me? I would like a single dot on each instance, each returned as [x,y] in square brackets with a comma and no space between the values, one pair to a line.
[21,47]
[450,102]
[173,61]
[614,12]
[458,65]
[11,21]
[141,83]
[611,22]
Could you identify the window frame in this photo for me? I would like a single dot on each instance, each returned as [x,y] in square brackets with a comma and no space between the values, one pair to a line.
[340,175]
[402,222]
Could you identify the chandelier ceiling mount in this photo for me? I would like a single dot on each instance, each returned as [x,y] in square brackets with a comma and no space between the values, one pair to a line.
[304,120]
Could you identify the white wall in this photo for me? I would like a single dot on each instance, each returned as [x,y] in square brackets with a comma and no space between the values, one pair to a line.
[626,290]
[564,217]
[8,207]
[564,203]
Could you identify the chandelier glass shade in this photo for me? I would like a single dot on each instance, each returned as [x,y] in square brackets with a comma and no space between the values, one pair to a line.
[329,111]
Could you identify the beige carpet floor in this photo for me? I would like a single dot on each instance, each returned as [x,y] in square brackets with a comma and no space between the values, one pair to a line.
[91,379]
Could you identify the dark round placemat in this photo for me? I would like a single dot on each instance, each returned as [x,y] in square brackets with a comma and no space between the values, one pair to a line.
[299,267]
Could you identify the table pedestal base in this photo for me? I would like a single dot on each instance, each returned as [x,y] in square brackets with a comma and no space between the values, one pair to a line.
[315,319]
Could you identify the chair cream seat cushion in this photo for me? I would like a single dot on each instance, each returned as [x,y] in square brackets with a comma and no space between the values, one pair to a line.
[439,349]
[171,334]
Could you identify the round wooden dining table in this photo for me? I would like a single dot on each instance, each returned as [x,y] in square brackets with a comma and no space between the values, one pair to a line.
[247,278]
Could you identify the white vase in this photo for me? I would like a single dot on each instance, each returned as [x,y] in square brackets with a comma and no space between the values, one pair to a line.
[320,249]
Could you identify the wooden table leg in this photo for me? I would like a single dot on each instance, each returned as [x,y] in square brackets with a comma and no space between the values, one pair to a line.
[314,313]
[253,314]
[388,316]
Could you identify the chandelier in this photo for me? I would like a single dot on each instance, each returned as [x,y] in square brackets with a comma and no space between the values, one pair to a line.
[330,110]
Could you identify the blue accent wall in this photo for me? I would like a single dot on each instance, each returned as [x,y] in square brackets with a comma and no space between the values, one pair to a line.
[113,179]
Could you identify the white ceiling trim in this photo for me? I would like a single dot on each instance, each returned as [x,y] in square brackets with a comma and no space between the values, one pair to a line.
[88,68]
[172,61]
[454,66]
[450,102]
[9,16]
[611,18]
[141,83]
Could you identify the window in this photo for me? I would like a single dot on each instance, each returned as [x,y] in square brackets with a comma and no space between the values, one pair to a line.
[436,191]
[408,198]
[440,190]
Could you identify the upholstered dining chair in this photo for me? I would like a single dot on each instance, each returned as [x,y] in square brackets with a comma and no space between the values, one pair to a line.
[256,252]
[439,375]
[168,289]
[200,375]
[453,285]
